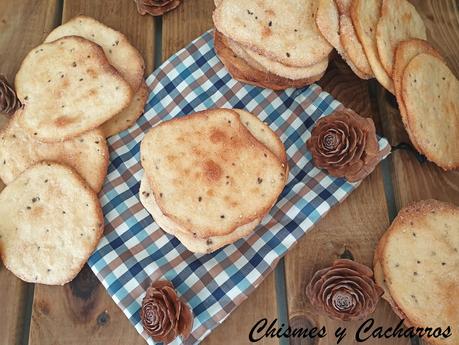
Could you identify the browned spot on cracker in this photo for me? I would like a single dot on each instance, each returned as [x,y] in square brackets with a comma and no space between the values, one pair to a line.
[212,171]
[64,121]
[217,136]
[266,32]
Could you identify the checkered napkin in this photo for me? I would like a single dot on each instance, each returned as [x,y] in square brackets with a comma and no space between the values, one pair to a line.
[134,251]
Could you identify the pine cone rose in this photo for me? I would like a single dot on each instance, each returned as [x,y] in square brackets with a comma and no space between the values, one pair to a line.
[345,291]
[345,144]
[164,315]
[9,102]
[156,7]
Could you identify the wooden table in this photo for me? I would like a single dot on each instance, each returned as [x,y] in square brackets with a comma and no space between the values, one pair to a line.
[82,312]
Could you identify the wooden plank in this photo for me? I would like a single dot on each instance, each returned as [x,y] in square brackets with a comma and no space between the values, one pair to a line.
[82,311]
[353,227]
[15,43]
[188,21]
[236,328]
[412,180]
[121,16]
[179,27]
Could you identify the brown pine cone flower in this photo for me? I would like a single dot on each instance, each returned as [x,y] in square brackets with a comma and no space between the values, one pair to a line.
[345,144]
[156,7]
[164,315]
[345,291]
[9,102]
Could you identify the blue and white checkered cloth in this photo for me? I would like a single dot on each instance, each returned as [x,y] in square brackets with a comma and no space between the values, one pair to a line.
[134,251]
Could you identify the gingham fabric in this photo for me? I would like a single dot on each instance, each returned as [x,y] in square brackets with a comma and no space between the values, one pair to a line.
[134,251]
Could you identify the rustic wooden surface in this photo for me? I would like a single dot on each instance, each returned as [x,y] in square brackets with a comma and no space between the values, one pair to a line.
[351,229]
[82,312]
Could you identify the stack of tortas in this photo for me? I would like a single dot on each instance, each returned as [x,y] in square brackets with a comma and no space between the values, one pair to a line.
[272,44]
[417,264]
[282,44]
[386,39]
[211,177]
[83,84]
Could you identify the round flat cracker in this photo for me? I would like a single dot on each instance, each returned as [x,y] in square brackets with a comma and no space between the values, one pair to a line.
[120,53]
[128,116]
[217,146]
[242,71]
[365,15]
[192,243]
[283,31]
[51,223]
[420,261]
[68,87]
[293,73]
[19,150]
[352,47]
[264,135]
[430,94]
[399,21]
[406,50]
[328,23]
[207,245]
[327,20]
[381,280]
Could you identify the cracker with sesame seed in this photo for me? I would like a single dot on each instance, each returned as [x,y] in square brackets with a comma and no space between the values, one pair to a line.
[128,116]
[249,71]
[120,53]
[294,73]
[328,23]
[407,50]
[51,223]
[350,44]
[381,280]
[399,21]
[420,264]
[192,243]
[235,178]
[365,15]
[430,93]
[264,135]
[283,31]
[19,150]
[68,87]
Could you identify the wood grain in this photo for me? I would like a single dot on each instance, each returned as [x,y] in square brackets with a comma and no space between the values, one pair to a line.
[441,18]
[82,311]
[353,228]
[121,16]
[236,328]
[179,27]
[15,43]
